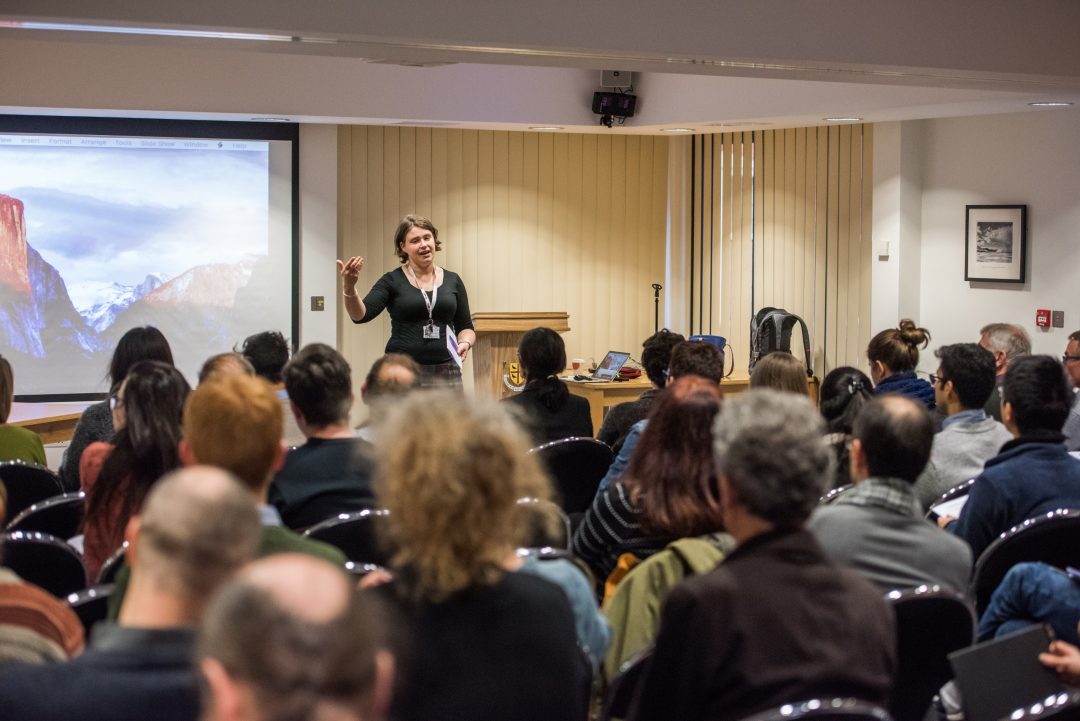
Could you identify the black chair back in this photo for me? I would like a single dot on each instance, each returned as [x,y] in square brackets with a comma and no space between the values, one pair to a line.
[960,489]
[112,565]
[576,465]
[549,529]
[1063,707]
[356,534]
[91,605]
[59,516]
[824,709]
[45,561]
[27,484]
[620,694]
[931,623]
[1052,538]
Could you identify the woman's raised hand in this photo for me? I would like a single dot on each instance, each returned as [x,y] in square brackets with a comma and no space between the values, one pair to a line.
[350,270]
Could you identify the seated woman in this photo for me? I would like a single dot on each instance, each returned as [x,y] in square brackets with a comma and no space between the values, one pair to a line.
[489,644]
[780,371]
[147,412]
[95,424]
[547,408]
[893,356]
[669,489]
[844,392]
[16,443]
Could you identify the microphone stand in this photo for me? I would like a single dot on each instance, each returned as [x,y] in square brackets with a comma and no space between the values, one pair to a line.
[656,306]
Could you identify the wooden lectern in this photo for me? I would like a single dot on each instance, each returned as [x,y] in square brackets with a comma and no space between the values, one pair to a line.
[497,338]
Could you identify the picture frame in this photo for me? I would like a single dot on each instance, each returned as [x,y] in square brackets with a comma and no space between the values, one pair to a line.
[995,243]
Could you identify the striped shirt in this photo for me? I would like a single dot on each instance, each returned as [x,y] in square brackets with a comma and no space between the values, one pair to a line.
[611,527]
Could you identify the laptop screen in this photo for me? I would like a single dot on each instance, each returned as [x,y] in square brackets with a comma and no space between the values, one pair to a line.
[611,365]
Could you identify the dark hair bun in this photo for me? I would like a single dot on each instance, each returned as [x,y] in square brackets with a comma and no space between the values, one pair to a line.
[913,335]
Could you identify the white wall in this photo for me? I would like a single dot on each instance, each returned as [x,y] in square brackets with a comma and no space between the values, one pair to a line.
[318,233]
[1029,158]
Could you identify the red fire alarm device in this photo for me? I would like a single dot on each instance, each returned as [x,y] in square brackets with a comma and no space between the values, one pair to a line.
[1042,318]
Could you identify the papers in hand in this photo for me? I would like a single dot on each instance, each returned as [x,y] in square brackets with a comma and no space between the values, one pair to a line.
[950,508]
[451,345]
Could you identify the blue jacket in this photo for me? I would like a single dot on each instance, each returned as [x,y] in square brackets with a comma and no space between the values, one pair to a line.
[1030,476]
[909,385]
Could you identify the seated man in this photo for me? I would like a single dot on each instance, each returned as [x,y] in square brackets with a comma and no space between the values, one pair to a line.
[234,422]
[291,638]
[776,621]
[268,352]
[1072,367]
[1033,593]
[655,357]
[1006,342]
[391,378]
[331,473]
[877,528]
[688,358]
[197,527]
[1034,473]
[968,437]
[225,363]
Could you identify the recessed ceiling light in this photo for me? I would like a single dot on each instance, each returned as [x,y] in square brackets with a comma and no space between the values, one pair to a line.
[676,130]
[269,119]
[162,32]
[1051,104]
[545,128]
[842,119]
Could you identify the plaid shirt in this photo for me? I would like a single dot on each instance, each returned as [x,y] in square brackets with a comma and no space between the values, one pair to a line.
[893,494]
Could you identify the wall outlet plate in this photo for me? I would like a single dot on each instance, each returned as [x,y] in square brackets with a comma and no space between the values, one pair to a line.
[1057,319]
[318,302]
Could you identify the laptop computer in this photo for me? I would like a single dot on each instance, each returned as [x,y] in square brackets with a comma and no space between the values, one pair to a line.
[608,369]
[997,677]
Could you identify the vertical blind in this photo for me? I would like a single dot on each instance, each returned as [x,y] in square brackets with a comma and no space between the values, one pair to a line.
[782,218]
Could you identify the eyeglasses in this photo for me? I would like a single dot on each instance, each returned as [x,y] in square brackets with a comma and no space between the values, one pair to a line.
[115,402]
[934,379]
[1066,358]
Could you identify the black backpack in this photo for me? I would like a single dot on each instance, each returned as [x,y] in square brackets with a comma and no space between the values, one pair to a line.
[770,330]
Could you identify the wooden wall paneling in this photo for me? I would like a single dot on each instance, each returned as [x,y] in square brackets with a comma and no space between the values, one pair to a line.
[544,271]
[821,219]
[659,221]
[406,167]
[801,240]
[497,231]
[792,271]
[767,206]
[746,244]
[486,264]
[633,289]
[438,176]
[757,216]
[614,262]
[602,230]
[867,252]
[454,247]
[571,280]
[729,292]
[422,182]
[589,321]
[470,267]
[854,276]
[643,226]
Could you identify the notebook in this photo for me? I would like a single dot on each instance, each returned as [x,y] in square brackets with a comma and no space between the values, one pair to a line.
[997,677]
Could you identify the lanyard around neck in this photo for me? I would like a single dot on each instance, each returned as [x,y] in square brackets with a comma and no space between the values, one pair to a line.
[430,303]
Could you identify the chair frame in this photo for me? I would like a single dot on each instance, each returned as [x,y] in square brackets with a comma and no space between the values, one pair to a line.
[822,707]
[41,506]
[960,489]
[548,551]
[983,586]
[542,450]
[341,518]
[111,566]
[88,595]
[59,489]
[618,700]
[835,493]
[16,536]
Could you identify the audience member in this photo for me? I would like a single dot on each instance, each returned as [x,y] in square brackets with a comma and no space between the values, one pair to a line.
[546,407]
[268,352]
[669,489]
[780,371]
[290,638]
[331,473]
[688,358]
[234,422]
[95,424]
[35,627]
[1071,359]
[877,528]
[894,355]
[655,357]
[196,528]
[776,621]
[16,443]
[968,437]
[231,362]
[391,378]
[1007,342]
[1033,593]
[1064,658]
[147,412]
[495,644]
[1033,473]
[844,392]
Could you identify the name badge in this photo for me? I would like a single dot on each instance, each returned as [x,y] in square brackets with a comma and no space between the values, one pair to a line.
[431,331]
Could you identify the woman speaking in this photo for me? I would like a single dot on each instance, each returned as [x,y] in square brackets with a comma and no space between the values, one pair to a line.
[423,301]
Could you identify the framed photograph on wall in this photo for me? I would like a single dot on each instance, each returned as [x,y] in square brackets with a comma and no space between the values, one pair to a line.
[996,237]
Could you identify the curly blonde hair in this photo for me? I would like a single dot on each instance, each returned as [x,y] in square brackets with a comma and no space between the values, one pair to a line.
[450,477]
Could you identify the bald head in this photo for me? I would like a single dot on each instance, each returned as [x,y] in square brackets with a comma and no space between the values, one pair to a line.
[197,527]
[296,633]
[895,434]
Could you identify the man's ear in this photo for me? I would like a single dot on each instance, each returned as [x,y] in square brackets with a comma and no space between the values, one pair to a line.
[384,685]
[279,458]
[228,700]
[187,455]
[1008,417]
[857,460]
[131,535]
